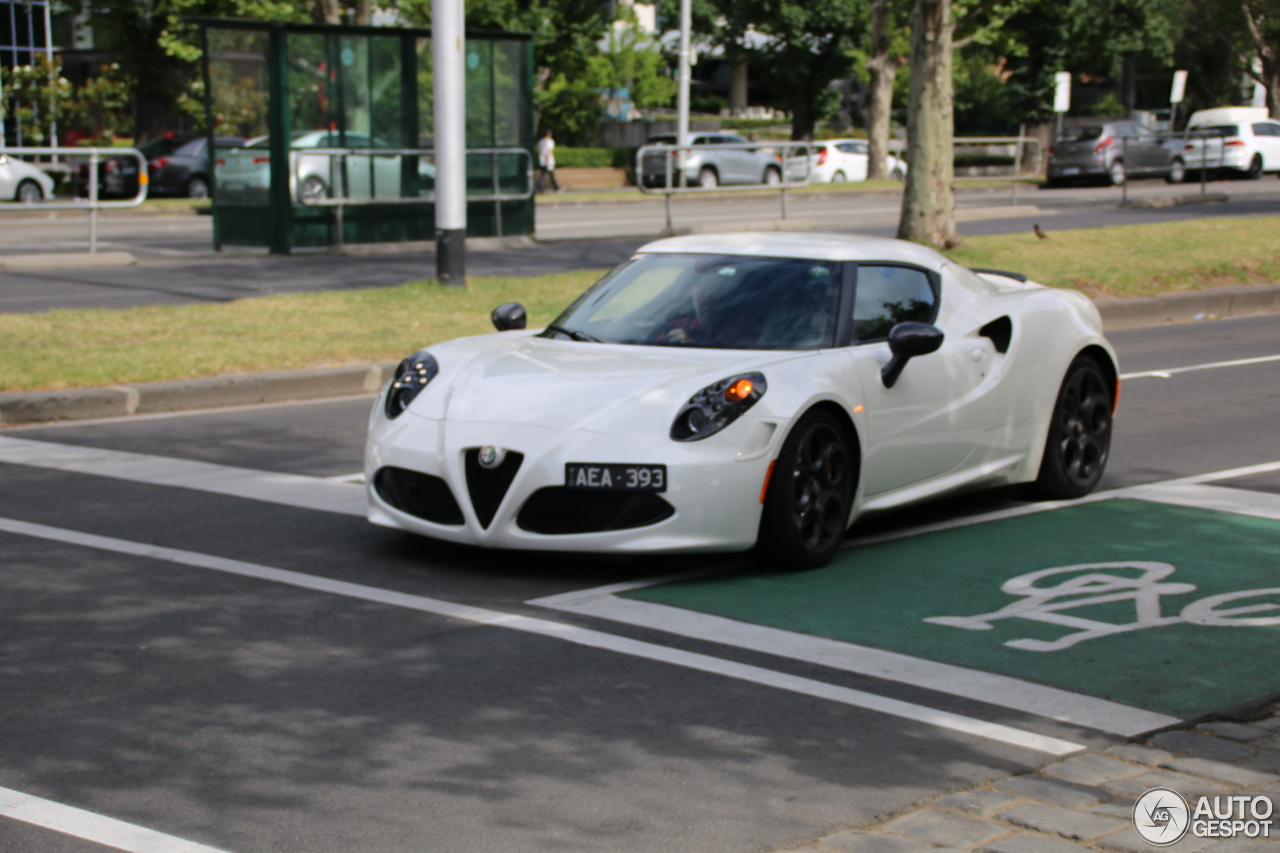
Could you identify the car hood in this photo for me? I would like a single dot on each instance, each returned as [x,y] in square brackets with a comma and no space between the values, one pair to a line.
[560,384]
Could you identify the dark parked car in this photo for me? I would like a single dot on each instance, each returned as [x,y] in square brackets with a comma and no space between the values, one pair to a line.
[185,171]
[118,176]
[1112,151]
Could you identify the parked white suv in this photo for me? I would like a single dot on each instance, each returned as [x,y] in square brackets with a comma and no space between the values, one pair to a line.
[1244,140]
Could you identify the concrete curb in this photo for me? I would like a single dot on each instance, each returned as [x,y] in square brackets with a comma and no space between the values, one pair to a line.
[277,386]
[242,389]
[1177,201]
[1231,301]
[64,261]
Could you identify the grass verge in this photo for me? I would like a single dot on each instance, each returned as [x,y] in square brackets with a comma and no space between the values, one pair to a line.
[94,347]
[1137,260]
[84,348]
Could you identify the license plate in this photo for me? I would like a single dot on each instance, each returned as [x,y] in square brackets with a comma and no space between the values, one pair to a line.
[233,185]
[616,478]
[1072,171]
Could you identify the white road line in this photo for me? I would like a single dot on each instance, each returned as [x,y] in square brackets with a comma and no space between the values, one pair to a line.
[993,689]
[288,489]
[1237,501]
[1170,371]
[568,633]
[107,831]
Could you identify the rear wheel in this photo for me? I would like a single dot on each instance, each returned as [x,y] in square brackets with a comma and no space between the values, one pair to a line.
[1079,442]
[1255,168]
[197,187]
[708,179]
[1116,173]
[28,191]
[806,508]
[312,189]
[898,174]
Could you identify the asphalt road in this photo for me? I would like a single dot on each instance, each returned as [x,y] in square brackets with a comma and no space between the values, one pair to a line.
[251,713]
[177,265]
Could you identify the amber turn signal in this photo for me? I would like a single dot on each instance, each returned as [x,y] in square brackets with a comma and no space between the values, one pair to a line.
[738,391]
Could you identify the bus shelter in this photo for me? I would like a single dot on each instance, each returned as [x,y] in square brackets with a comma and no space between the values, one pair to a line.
[338,133]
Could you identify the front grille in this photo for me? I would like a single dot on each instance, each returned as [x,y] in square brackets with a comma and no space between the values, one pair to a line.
[558,510]
[488,486]
[420,495]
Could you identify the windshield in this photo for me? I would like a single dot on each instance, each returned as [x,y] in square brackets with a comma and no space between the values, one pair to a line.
[711,301]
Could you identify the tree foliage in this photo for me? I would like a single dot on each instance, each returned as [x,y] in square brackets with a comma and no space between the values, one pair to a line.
[794,47]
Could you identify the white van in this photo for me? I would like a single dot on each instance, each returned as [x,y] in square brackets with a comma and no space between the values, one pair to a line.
[1242,140]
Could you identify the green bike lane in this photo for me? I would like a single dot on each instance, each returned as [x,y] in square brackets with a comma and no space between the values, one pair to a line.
[1170,605]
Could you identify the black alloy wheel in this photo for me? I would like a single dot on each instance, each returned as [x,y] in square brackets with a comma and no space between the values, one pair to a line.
[1255,168]
[810,494]
[1079,442]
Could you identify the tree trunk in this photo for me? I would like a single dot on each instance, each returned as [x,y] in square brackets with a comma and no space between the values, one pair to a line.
[801,112]
[928,204]
[883,69]
[1272,75]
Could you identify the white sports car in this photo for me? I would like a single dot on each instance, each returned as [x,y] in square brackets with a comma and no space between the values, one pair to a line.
[717,393]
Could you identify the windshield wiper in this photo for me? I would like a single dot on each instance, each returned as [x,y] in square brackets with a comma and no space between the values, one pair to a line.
[573,333]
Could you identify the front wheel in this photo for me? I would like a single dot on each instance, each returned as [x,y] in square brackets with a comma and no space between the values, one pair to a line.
[838,178]
[1079,441]
[898,174]
[1177,172]
[708,179]
[29,192]
[806,508]
[772,177]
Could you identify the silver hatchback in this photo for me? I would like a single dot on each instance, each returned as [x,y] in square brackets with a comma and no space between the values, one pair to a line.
[1112,151]
[711,167]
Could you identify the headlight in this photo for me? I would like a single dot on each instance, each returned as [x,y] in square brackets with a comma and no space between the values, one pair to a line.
[716,406]
[412,375]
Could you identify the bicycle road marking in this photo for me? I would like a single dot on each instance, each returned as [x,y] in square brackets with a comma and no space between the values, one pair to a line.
[569,633]
[1055,703]
[91,826]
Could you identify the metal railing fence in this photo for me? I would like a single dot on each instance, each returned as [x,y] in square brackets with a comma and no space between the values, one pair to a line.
[92,204]
[783,163]
[338,187]
[1019,143]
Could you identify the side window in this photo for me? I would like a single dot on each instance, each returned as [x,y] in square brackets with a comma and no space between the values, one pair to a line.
[1264,129]
[885,296]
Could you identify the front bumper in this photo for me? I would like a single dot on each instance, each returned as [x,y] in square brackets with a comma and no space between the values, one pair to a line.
[713,485]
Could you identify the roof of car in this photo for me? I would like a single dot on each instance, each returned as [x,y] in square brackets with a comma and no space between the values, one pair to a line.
[790,244]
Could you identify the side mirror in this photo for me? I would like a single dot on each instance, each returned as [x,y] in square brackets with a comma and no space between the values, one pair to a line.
[508,316]
[906,341]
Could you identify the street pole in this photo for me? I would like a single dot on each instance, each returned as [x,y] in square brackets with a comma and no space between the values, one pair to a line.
[447,45]
[48,55]
[682,92]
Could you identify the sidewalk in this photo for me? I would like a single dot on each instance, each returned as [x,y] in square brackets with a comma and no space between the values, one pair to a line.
[1086,802]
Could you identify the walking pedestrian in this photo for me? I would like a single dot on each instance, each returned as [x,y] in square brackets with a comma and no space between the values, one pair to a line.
[547,162]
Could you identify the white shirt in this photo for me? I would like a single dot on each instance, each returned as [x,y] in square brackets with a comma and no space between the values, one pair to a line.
[547,152]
